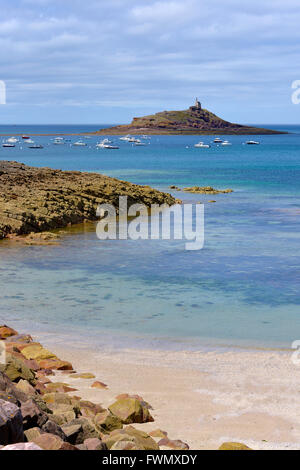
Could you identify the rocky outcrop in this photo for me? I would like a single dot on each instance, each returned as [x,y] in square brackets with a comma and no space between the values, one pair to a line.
[190,121]
[42,199]
[207,190]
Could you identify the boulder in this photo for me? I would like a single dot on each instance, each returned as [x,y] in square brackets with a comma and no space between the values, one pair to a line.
[19,339]
[131,439]
[25,387]
[6,332]
[89,409]
[58,398]
[88,429]
[106,422]
[234,446]
[37,352]
[94,444]
[32,434]
[60,387]
[53,428]
[99,385]
[49,442]
[131,410]
[22,446]
[72,432]
[11,423]
[176,444]
[63,417]
[15,369]
[9,392]
[33,415]
[158,433]
[84,375]
[54,364]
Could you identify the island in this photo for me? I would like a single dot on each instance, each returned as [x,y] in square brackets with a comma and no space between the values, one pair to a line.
[195,120]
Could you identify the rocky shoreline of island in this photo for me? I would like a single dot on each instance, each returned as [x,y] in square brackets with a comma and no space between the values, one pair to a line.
[37,412]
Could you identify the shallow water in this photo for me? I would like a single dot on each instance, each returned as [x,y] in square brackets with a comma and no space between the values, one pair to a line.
[241,289]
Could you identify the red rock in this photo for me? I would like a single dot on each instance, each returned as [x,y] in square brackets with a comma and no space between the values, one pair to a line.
[55,364]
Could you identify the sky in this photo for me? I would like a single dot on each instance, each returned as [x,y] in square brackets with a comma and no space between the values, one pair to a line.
[106,61]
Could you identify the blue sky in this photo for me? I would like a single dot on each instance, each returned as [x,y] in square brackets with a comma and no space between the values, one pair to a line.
[70,61]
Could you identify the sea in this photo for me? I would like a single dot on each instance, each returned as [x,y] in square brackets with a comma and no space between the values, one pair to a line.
[241,290]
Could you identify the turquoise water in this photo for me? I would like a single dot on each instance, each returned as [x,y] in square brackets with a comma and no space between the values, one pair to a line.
[241,289]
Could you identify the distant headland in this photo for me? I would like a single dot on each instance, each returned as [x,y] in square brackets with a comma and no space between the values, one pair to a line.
[194,120]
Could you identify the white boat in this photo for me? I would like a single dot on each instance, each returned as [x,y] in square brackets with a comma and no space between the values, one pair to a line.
[107,146]
[36,146]
[79,143]
[226,143]
[12,140]
[58,141]
[29,141]
[140,144]
[202,145]
[8,145]
[252,142]
[126,138]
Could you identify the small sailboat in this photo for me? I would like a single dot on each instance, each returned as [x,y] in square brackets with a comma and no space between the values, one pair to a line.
[202,145]
[79,143]
[252,142]
[226,143]
[25,137]
[217,140]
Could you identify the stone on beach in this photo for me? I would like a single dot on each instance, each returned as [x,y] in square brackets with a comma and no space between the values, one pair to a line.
[131,410]
[11,423]
[37,352]
[99,385]
[176,444]
[84,375]
[234,446]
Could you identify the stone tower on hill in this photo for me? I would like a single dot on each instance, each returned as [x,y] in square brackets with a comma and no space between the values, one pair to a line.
[197,106]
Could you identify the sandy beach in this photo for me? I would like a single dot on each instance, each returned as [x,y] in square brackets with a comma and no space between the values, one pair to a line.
[203,398]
